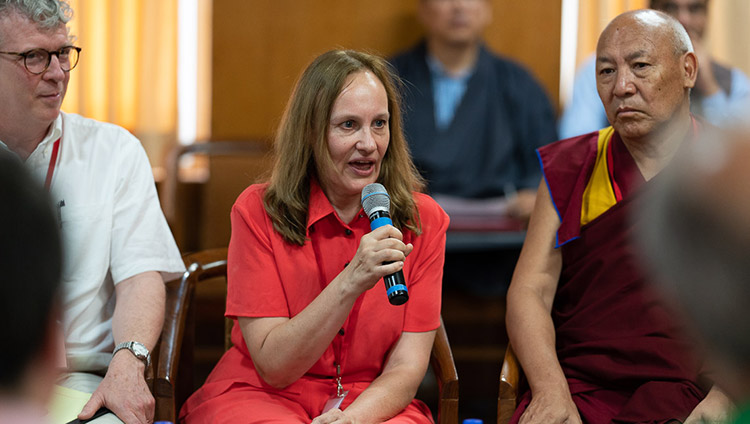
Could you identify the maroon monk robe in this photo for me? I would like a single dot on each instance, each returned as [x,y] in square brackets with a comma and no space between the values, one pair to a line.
[625,359]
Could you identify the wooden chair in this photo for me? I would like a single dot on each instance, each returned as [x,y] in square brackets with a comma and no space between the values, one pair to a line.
[510,375]
[441,361]
[171,387]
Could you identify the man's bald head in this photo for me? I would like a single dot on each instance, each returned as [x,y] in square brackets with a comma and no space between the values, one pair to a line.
[645,68]
[651,21]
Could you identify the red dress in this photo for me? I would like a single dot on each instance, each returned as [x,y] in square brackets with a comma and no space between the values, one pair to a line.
[268,277]
[625,358]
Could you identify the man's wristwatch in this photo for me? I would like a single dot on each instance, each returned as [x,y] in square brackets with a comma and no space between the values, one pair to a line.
[138,349]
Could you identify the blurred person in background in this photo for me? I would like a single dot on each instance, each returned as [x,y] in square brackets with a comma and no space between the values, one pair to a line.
[473,120]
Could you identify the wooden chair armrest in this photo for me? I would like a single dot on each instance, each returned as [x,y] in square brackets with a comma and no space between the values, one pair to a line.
[509,380]
[176,345]
[444,368]
[178,300]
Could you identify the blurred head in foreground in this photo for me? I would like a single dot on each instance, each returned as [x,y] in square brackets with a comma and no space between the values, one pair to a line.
[30,260]
[696,237]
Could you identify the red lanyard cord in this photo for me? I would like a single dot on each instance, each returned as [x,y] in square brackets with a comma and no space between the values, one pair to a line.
[52,163]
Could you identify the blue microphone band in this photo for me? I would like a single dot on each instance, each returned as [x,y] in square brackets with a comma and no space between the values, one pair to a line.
[397,287]
[379,222]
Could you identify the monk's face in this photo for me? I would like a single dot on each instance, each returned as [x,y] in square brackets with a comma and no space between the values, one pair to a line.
[642,81]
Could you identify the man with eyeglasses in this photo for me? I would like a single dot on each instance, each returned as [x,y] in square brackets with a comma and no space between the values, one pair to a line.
[720,93]
[117,245]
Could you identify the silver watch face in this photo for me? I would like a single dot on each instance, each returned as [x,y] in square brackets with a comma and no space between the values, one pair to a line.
[140,351]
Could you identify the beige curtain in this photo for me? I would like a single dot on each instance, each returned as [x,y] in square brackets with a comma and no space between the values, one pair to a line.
[128,68]
[593,16]
[729,33]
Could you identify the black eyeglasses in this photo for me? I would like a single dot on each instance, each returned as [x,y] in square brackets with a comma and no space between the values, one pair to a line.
[37,61]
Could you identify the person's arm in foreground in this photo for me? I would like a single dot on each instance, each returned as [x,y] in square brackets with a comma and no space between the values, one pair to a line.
[528,319]
[139,316]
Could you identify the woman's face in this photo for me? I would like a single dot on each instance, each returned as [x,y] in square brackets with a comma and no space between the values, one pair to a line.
[358,137]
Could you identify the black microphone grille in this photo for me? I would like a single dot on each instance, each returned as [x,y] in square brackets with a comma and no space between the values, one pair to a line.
[374,198]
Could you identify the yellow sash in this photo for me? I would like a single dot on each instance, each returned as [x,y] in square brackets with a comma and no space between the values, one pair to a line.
[599,195]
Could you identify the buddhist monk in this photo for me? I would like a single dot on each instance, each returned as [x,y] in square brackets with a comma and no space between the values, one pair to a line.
[596,345]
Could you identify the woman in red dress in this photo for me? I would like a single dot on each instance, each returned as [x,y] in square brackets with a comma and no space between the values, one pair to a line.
[315,338]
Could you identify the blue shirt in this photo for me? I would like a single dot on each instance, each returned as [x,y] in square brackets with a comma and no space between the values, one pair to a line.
[447,90]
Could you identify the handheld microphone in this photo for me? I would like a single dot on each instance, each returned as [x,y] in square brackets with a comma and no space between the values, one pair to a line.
[377,205]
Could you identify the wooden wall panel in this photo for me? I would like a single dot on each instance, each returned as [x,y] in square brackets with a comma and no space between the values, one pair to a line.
[229,177]
[261,46]
[529,31]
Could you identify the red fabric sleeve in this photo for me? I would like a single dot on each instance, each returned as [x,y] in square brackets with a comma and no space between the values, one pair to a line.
[254,288]
[426,268]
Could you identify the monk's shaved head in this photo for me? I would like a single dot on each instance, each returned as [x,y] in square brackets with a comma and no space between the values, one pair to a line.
[652,21]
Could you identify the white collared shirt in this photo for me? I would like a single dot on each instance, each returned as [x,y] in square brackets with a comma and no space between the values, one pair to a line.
[112,227]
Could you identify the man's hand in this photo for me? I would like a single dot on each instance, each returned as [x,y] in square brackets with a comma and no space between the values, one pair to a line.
[716,408]
[551,408]
[336,416]
[123,391]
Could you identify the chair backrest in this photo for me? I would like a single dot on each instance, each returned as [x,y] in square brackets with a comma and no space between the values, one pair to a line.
[172,387]
[197,203]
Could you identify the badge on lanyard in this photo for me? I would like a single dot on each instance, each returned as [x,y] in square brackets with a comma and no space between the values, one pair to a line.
[338,399]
